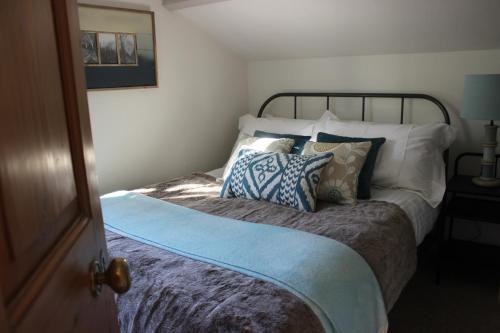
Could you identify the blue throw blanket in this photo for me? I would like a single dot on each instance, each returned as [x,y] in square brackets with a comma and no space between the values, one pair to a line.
[331,278]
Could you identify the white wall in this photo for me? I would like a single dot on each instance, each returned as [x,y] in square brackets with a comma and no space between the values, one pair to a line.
[437,74]
[143,136]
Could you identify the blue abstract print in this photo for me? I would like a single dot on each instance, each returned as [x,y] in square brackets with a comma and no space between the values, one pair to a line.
[285,179]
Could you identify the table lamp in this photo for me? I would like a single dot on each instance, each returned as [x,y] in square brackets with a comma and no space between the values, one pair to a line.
[481,101]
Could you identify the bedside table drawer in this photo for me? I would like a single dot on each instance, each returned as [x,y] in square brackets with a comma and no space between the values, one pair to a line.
[474,209]
[464,185]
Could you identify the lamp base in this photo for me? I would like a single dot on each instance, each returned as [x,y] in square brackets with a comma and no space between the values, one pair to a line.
[488,162]
[486,182]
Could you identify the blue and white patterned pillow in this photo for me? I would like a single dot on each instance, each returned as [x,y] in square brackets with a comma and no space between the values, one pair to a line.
[285,179]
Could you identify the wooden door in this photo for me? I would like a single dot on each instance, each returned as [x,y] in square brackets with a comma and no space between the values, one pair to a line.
[50,219]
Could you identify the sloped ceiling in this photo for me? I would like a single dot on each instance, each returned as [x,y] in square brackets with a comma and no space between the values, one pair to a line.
[280,29]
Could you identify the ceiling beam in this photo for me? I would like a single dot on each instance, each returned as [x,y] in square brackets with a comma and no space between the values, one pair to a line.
[181,4]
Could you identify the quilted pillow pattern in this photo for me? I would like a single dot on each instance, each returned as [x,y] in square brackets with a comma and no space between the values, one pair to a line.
[286,179]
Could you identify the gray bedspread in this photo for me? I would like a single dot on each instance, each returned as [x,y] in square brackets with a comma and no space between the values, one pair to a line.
[171,293]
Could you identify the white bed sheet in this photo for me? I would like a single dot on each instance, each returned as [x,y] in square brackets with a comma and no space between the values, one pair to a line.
[217,173]
[420,213]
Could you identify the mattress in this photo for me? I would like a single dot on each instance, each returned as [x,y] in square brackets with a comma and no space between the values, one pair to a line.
[420,213]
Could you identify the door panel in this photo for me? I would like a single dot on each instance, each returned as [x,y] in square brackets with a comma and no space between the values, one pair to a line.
[69,284]
[34,146]
[50,218]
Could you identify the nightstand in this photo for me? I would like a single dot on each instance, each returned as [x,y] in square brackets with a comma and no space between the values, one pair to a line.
[468,202]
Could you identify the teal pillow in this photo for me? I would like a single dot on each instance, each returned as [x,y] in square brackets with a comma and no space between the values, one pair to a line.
[366,174]
[300,140]
[286,179]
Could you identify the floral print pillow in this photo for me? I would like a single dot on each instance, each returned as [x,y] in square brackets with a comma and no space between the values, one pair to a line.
[339,179]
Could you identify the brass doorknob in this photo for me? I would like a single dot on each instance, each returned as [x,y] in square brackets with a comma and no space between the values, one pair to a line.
[116,276]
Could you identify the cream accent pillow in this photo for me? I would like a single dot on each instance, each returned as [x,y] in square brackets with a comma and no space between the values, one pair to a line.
[339,179]
[267,145]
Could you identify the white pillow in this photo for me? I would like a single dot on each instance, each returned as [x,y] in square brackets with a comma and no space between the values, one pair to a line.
[320,124]
[267,145]
[328,115]
[411,158]
[248,124]
[423,169]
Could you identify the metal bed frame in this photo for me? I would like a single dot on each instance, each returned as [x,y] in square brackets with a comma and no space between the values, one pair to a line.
[363,96]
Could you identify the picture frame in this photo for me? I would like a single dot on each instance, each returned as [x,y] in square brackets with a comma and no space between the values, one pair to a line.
[118,47]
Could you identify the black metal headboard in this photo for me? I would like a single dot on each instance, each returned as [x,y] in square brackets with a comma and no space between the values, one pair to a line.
[363,97]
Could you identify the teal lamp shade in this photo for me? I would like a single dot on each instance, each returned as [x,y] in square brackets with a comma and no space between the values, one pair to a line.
[481,99]
[482,102]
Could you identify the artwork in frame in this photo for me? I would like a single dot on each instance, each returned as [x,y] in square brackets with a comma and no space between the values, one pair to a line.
[118,47]
[128,54]
[89,48]
[107,49]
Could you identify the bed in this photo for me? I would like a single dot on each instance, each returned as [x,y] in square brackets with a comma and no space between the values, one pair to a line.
[421,215]
[175,293]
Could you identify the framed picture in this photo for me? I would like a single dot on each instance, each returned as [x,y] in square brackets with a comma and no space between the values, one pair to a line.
[118,47]
[89,48]
[128,53]
[107,49]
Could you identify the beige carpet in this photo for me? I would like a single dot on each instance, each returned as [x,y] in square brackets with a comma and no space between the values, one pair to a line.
[466,301]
